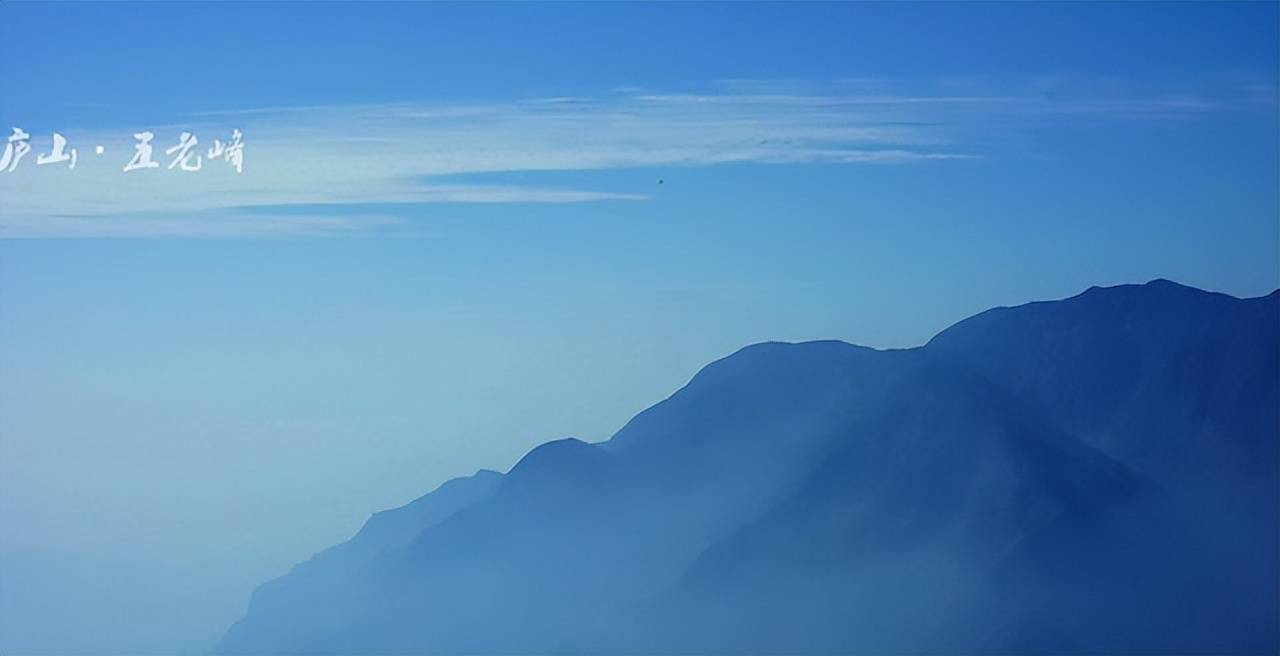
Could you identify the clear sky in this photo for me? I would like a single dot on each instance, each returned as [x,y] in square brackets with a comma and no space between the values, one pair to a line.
[462,230]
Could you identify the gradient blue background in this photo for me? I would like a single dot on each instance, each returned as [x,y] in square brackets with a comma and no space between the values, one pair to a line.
[212,410]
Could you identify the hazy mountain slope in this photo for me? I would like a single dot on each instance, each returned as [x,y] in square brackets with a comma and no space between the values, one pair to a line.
[1183,385]
[315,593]
[578,528]
[963,496]
[956,522]
[1178,382]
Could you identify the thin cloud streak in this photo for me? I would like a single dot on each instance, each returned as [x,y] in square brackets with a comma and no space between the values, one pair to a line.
[403,152]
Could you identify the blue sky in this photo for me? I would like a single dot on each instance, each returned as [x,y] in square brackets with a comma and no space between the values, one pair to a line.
[449,242]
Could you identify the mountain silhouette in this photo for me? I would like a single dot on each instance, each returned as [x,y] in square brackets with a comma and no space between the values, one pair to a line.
[1092,475]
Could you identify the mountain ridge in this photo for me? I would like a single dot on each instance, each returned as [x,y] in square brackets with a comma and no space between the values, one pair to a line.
[1117,420]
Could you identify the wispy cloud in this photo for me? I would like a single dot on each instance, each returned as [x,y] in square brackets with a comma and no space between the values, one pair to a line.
[368,155]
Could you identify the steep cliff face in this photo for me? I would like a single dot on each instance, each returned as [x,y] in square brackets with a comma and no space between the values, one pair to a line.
[1097,474]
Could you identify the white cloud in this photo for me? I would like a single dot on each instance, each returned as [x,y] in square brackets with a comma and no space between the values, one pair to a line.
[405,152]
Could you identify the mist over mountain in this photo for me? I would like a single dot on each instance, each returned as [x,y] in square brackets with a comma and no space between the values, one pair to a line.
[1092,475]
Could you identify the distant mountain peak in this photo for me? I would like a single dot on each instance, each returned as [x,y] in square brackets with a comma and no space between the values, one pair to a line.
[1087,475]
[1155,289]
[566,459]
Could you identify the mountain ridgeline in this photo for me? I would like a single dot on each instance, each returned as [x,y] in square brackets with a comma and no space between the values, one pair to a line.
[1092,475]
